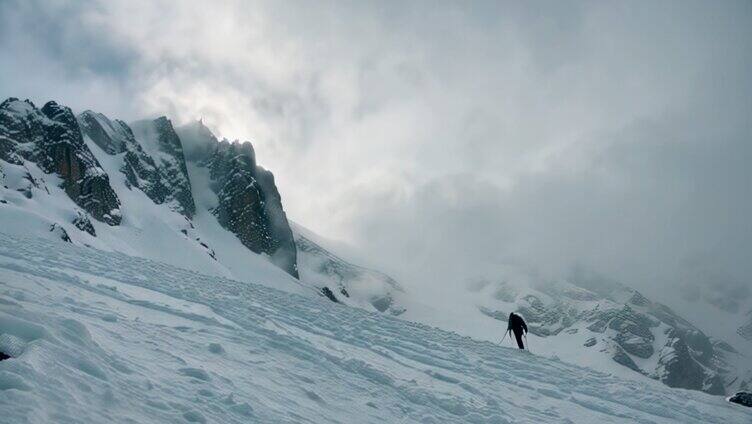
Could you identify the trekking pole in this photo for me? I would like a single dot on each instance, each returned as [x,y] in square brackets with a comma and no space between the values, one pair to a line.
[527,344]
[505,336]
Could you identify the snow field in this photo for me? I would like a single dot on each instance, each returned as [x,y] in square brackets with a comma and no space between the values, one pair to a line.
[104,337]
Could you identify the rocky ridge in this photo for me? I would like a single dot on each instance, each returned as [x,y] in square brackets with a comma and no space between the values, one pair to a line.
[51,138]
[155,165]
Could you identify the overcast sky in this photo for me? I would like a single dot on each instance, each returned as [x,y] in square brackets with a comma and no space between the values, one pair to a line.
[446,138]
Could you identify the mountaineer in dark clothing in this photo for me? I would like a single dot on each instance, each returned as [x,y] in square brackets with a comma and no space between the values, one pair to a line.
[517,325]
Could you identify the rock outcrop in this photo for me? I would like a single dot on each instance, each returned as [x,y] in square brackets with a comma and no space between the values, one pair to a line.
[249,204]
[154,163]
[159,163]
[52,139]
[742,398]
[150,155]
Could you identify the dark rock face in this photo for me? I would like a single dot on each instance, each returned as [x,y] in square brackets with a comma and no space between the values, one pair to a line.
[326,291]
[621,357]
[684,371]
[21,129]
[249,204]
[52,138]
[154,161]
[65,153]
[176,172]
[742,398]
[82,222]
[156,165]
[8,151]
[110,136]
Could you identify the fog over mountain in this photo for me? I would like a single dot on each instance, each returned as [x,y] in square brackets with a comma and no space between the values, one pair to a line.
[444,141]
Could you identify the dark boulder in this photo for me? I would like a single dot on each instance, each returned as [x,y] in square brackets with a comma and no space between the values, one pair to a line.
[742,398]
[326,291]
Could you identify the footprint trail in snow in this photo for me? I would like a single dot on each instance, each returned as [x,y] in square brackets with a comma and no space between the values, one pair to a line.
[103,337]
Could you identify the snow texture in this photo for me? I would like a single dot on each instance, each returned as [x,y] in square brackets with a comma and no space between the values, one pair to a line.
[105,337]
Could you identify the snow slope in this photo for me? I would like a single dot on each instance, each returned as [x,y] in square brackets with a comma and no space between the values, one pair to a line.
[104,337]
[352,284]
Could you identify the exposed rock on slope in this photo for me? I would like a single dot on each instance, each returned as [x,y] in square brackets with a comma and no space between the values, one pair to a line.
[248,203]
[154,164]
[51,138]
[163,146]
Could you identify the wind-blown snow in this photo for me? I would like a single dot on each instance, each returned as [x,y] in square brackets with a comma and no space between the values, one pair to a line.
[105,337]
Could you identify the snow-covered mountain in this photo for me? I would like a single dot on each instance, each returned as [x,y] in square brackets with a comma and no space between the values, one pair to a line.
[97,337]
[177,195]
[182,197]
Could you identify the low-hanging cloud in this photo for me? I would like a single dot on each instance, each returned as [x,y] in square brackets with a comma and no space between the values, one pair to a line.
[443,139]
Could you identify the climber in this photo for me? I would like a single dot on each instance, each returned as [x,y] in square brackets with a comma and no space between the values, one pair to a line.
[517,325]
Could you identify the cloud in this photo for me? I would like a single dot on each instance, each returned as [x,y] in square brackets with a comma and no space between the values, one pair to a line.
[444,139]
